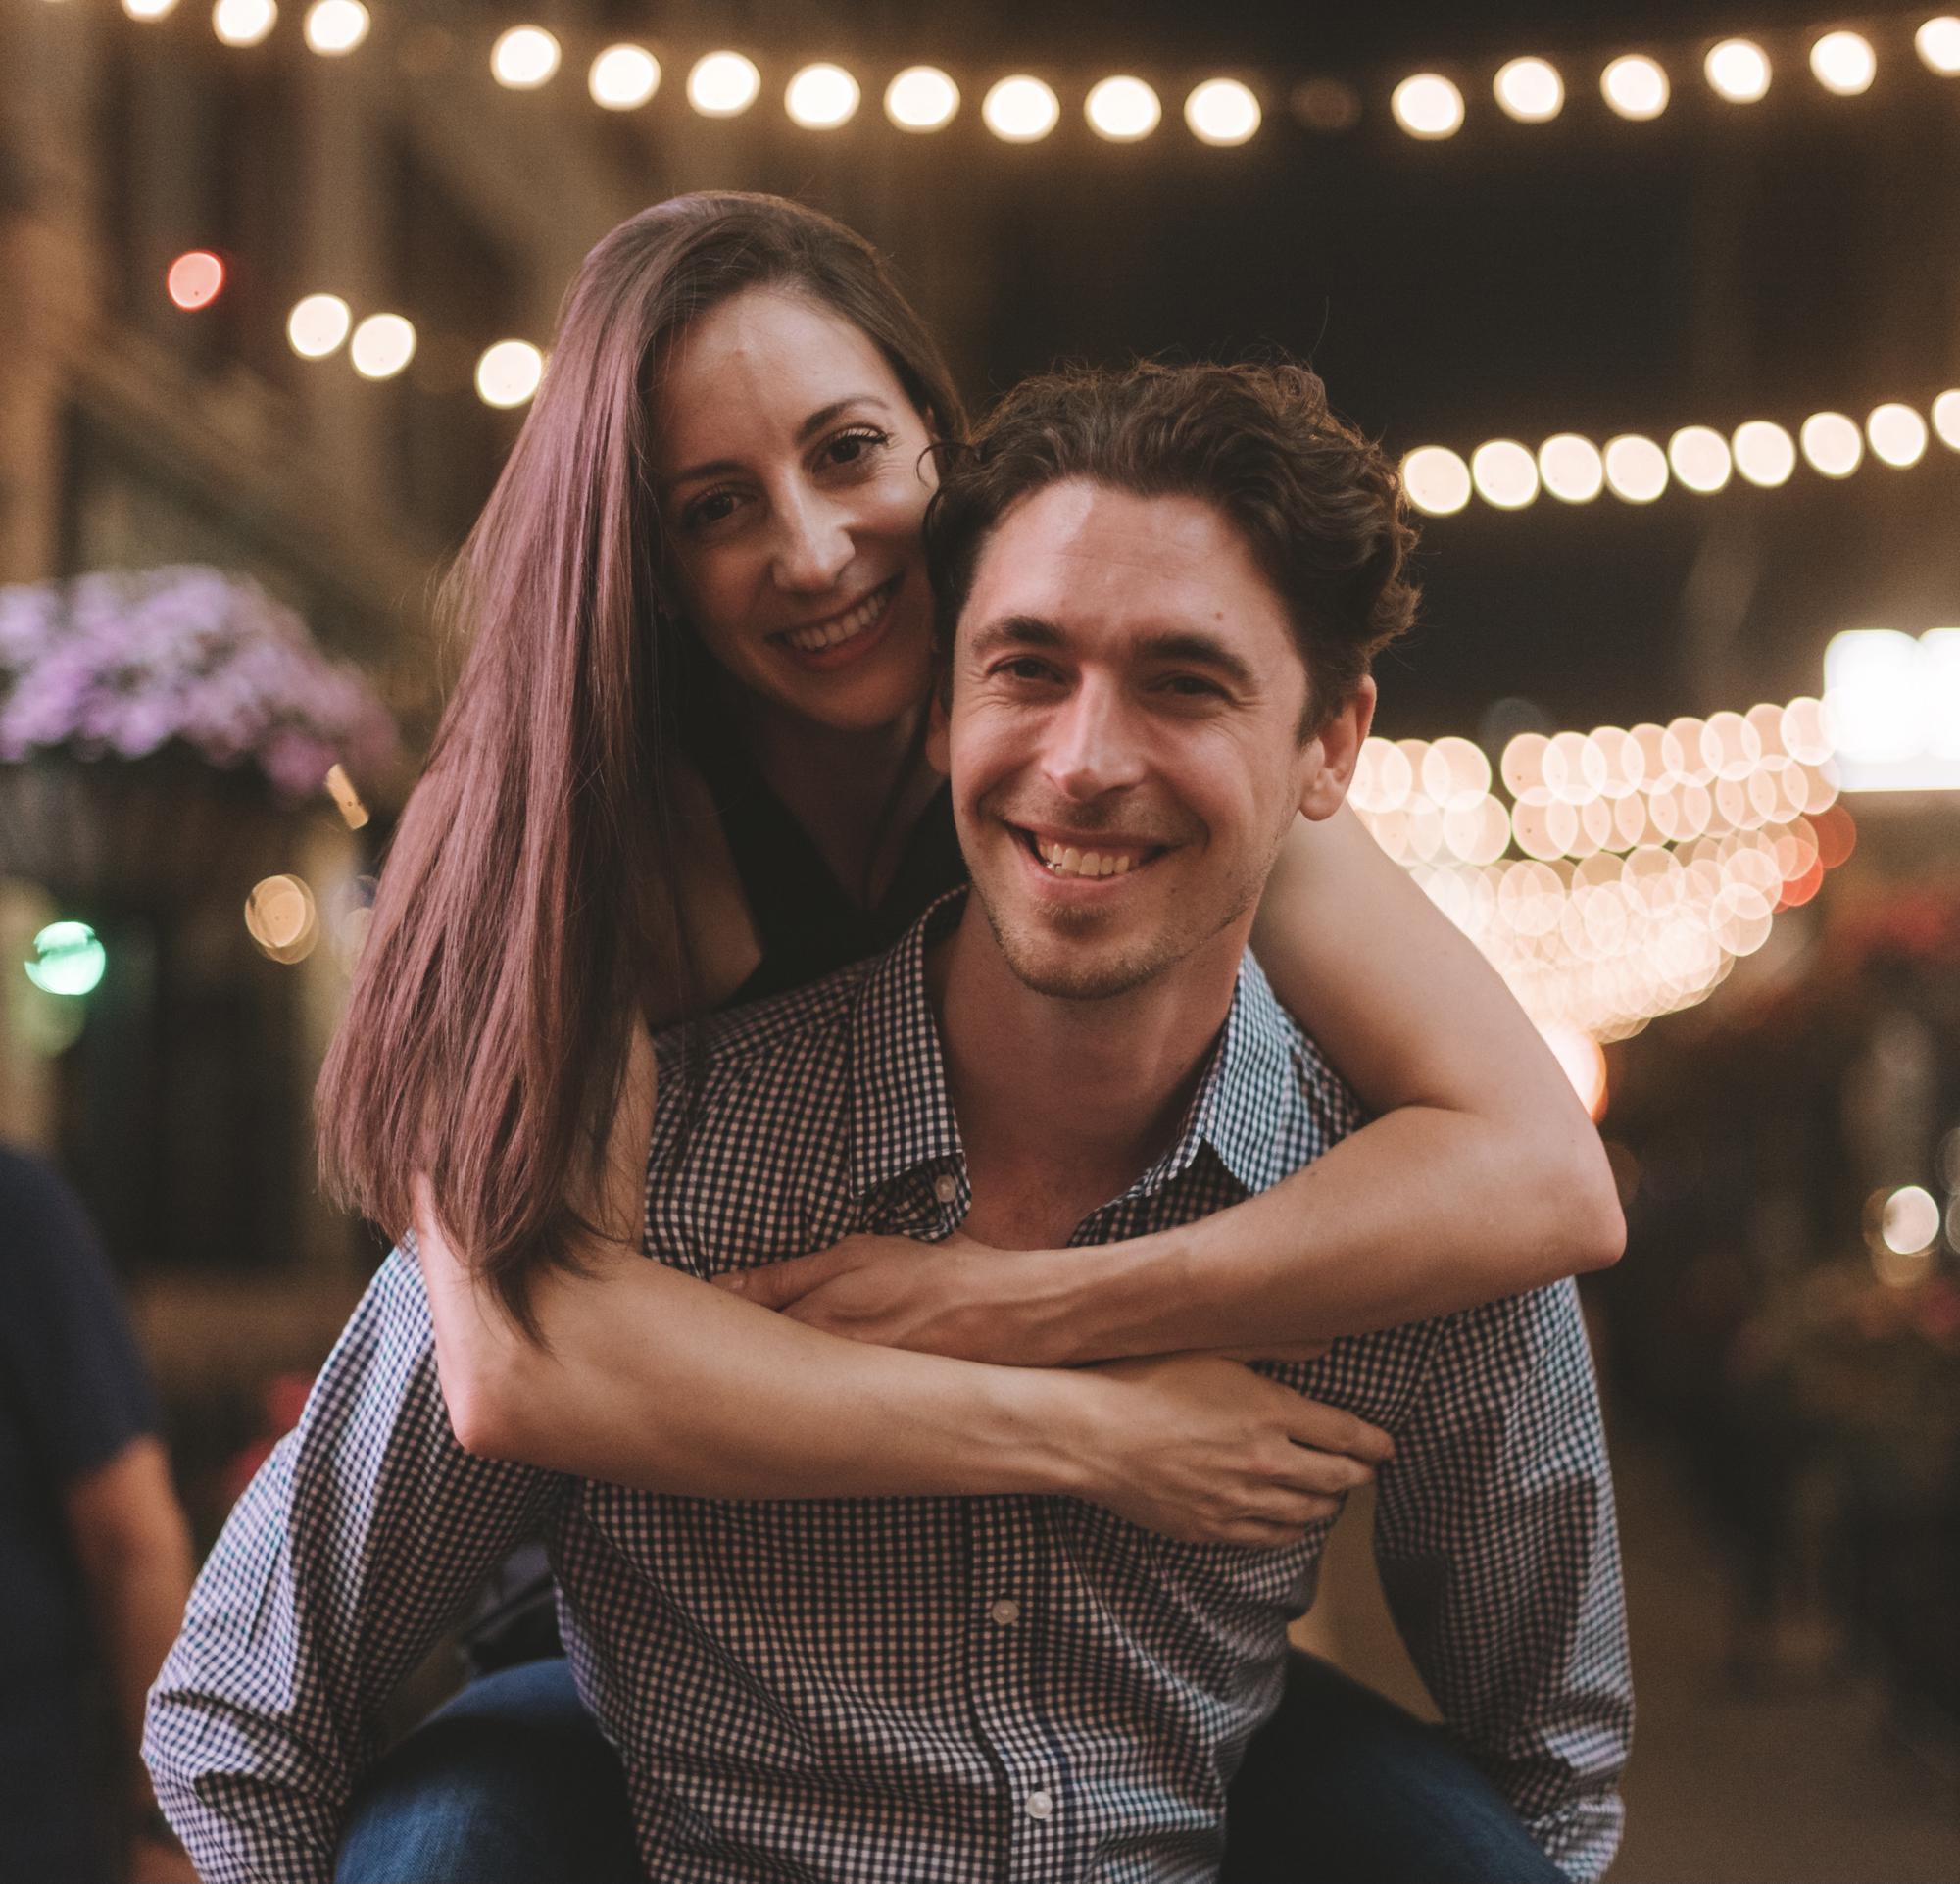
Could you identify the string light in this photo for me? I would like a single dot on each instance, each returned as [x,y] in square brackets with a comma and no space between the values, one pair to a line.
[1831,443]
[1635,87]
[317,324]
[1020,110]
[1897,435]
[1436,481]
[1223,112]
[336,27]
[624,78]
[509,374]
[195,279]
[1428,106]
[148,11]
[1765,454]
[1946,417]
[821,97]
[243,23]
[1893,707]
[1843,62]
[1636,467]
[1530,91]
[1571,468]
[1505,473]
[723,85]
[381,346]
[524,58]
[1122,110]
[921,98]
[1937,43]
[1699,459]
[1738,70]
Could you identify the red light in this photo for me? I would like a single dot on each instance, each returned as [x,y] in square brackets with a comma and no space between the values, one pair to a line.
[195,278]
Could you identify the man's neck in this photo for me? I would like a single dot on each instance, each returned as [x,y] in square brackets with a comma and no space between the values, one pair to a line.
[1064,1104]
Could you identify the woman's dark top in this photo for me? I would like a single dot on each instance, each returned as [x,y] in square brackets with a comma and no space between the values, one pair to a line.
[808,926]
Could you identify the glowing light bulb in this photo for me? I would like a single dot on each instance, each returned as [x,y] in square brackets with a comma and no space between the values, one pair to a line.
[317,324]
[509,374]
[1504,472]
[195,279]
[1699,458]
[1636,469]
[334,27]
[1122,110]
[149,10]
[1020,110]
[1937,43]
[723,85]
[243,23]
[821,97]
[1635,87]
[1428,106]
[1436,481]
[1530,91]
[1223,112]
[1571,468]
[1897,435]
[383,345]
[1738,70]
[68,959]
[624,78]
[1946,417]
[524,58]
[921,98]
[1831,443]
[1844,63]
[1765,454]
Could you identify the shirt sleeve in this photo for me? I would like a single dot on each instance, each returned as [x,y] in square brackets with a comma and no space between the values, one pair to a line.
[67,1361]
[359,1541]
[1499,1553]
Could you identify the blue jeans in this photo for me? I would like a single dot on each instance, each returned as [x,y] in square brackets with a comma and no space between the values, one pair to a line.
[511,1783]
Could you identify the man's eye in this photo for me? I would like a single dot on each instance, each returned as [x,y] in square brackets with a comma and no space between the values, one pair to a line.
[1193,686]
[1025,667]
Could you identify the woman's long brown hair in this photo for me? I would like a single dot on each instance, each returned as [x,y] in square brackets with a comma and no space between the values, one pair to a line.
[485,1035]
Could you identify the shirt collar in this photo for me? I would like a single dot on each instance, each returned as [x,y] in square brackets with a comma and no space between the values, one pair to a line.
[901,1112]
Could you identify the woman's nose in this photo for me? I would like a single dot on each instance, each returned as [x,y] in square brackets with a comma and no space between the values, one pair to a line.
[812,547]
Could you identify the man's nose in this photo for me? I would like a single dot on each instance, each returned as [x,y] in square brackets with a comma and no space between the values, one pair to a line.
[1092,744]
[812,547]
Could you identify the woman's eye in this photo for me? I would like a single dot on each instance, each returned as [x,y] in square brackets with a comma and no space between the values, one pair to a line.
[851,447]
[715,507]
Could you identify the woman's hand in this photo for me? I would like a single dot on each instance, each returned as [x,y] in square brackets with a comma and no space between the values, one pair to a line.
[1206,1451]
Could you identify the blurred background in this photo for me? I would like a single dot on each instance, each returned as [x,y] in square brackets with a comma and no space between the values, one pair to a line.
[1660,306]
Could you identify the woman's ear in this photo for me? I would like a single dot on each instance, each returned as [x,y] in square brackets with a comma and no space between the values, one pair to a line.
[1329,758]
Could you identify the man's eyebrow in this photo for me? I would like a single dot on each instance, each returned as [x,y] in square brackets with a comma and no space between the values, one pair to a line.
[1016,631]
[1195,649]
[811,426]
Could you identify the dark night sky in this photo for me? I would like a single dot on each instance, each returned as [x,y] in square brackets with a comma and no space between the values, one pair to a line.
[1589,274]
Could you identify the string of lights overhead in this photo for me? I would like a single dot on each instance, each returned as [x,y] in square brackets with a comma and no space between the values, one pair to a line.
[1509,476]
[1024,109]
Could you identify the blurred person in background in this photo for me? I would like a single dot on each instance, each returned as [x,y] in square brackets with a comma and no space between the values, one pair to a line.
[95,1555]
[684,767]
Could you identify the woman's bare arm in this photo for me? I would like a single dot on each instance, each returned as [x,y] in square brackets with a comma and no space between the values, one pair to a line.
[1481,1177]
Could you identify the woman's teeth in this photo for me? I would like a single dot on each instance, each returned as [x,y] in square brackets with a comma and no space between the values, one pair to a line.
[1065,860]
[828,634]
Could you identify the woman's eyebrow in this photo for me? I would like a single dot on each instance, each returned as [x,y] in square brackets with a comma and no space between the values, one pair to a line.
[811,426]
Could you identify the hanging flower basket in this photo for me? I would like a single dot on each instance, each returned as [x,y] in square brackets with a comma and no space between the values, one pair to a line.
[156,729]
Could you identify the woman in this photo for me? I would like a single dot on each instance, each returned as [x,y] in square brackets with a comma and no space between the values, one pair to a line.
[683,766]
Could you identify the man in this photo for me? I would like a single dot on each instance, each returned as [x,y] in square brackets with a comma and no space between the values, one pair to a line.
[1156,594]
[95,1555]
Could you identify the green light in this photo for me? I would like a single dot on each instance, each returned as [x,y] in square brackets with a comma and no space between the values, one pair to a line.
[69,959]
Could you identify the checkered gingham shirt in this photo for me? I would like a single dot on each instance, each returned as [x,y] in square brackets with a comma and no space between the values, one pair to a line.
[910,1689]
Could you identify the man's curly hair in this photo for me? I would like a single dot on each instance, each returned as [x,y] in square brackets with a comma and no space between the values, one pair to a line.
[1320,507]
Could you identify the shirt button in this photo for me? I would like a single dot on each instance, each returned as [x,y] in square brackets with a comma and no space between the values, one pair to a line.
[1041,1806]
[946,1187]
[1005,1611]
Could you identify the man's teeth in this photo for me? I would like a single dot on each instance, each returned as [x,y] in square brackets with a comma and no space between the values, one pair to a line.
[828,634]
[1065,860]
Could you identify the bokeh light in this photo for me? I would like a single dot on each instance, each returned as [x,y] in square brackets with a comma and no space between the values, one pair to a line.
[1831,443]
[1765,454]
[1738,70]
[921,98]
[317,324]
[195,279]
[383,345]
[1897,435]
[1843,62]
[332,28]
[244,23]
[1436,481]
[1223,112]
[723,85]
[1699,459]
[1937,43]
[524,58]
[1504,472]
[1946,417]
[1428,106]
[1909,1220]
[68,959]
[1571,468]
[149,10]
[508,372]
[1122,110]
[1020,110]
[283,919]
[1530,91]
[1636,469]
[821,97]
[1635,87]
[624,78]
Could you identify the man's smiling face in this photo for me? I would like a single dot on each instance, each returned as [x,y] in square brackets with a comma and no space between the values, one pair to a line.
[1123,735]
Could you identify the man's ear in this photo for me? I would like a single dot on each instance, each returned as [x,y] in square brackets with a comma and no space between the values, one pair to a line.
[938,740]
[1327,765]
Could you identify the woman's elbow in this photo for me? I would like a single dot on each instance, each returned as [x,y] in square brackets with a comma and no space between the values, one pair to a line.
[483,1396]
[1582,1204]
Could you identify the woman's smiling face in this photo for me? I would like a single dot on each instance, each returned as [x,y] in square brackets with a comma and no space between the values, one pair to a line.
[792,477]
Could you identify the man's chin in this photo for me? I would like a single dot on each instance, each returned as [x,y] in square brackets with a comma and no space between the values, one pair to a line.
[1077,971]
